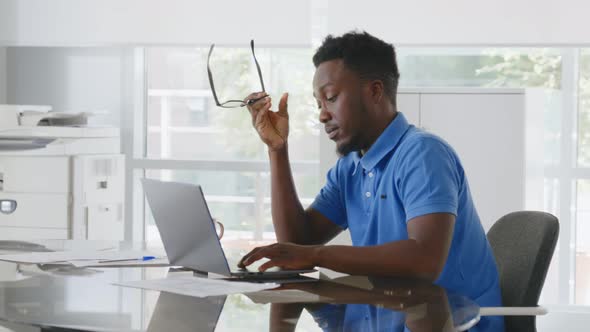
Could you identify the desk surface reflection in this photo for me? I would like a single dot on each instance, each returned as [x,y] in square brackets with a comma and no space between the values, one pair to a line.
[85,299]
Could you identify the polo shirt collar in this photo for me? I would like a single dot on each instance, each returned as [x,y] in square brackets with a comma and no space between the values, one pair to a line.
[388,140]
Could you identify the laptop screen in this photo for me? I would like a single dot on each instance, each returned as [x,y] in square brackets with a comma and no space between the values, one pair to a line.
[185,225]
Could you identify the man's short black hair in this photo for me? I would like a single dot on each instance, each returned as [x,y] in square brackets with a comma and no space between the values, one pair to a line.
[368,56]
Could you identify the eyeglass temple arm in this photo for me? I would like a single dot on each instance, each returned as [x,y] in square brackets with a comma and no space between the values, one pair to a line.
[211,76]
[257,65]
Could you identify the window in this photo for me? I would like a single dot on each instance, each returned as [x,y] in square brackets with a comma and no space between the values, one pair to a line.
[192,140]
[583,242]
[582,181]
[584,110]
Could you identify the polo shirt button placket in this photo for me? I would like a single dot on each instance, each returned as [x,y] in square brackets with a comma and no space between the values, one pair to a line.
[367,202]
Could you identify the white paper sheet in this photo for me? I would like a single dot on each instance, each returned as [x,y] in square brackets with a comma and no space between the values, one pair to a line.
[197,286]
[74,256]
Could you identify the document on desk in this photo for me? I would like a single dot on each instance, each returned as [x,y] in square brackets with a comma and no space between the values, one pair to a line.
[75,257]
[197,286]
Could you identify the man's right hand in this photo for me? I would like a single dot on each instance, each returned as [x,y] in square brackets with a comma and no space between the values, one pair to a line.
[272,127]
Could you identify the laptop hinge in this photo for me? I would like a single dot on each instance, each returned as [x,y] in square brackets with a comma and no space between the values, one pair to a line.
[201,274]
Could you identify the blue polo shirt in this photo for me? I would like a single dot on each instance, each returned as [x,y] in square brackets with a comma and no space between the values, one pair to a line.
[405,174]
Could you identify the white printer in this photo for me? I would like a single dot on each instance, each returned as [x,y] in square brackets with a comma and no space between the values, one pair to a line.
[59,179]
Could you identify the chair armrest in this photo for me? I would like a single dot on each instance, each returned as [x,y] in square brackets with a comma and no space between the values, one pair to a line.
[512,311]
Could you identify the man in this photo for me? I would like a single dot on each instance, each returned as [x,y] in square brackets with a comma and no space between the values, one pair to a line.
[401,192]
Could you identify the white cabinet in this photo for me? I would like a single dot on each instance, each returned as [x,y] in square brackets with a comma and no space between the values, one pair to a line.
[497,134]
[487,131]
[409,104]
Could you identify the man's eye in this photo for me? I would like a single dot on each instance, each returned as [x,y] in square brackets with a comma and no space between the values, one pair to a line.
[332,99]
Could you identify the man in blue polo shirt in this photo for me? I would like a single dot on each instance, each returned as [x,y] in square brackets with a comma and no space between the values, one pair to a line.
[400,191]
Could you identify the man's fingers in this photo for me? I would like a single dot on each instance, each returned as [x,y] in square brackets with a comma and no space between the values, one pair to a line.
[255,257]
[247,256]
[261,114]
[262,252]
[269,264]
[254,95]
[255,99]
[283,105]
[256,110]
[257,106]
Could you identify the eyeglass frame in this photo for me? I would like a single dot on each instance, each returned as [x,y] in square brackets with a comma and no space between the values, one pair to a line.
[242,103]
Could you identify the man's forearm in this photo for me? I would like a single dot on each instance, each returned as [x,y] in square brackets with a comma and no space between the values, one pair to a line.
[287,213]
[405,258]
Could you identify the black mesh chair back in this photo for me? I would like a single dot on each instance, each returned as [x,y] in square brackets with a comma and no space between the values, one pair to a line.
[523,243]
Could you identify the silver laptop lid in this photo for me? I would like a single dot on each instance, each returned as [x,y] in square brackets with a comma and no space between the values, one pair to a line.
[186,227]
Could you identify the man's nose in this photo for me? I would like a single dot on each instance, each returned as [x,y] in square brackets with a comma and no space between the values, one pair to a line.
[324,115]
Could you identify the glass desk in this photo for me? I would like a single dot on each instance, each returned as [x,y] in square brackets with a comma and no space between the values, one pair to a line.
[58,298]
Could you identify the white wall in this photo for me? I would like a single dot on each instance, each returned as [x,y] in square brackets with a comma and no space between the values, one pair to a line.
[418,22]
[2,75]
[564,318]
[7,21]
[115,22]
[465,22]
[70,79]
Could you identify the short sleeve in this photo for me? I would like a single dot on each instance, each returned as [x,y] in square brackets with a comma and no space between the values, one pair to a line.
[329,317]
[330,200]
[429,178]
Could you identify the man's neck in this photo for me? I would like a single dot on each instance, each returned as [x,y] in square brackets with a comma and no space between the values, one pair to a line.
[379,127]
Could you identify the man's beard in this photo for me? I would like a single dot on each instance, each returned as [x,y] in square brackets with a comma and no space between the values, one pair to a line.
[353,145]
[356,142]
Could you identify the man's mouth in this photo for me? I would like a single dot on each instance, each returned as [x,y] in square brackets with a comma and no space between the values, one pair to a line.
[332,132]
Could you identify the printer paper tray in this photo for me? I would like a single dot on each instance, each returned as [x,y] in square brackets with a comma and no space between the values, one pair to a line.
[15,144]
[37,210]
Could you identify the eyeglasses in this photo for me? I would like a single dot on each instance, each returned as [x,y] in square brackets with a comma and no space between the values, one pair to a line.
[234,103]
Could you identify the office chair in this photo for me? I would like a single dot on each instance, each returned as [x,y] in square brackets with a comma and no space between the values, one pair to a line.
[523,244]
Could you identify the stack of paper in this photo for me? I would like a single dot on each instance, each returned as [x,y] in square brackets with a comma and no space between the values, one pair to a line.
[197,286]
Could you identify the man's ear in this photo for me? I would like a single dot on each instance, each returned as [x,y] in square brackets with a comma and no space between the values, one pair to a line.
[376,90]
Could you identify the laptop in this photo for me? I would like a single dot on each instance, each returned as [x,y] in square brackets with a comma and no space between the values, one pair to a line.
[188,233]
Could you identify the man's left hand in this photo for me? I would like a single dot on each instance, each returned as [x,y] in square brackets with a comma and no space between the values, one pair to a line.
[287,256]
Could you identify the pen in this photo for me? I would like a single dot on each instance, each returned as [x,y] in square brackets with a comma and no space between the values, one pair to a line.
[143,259]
